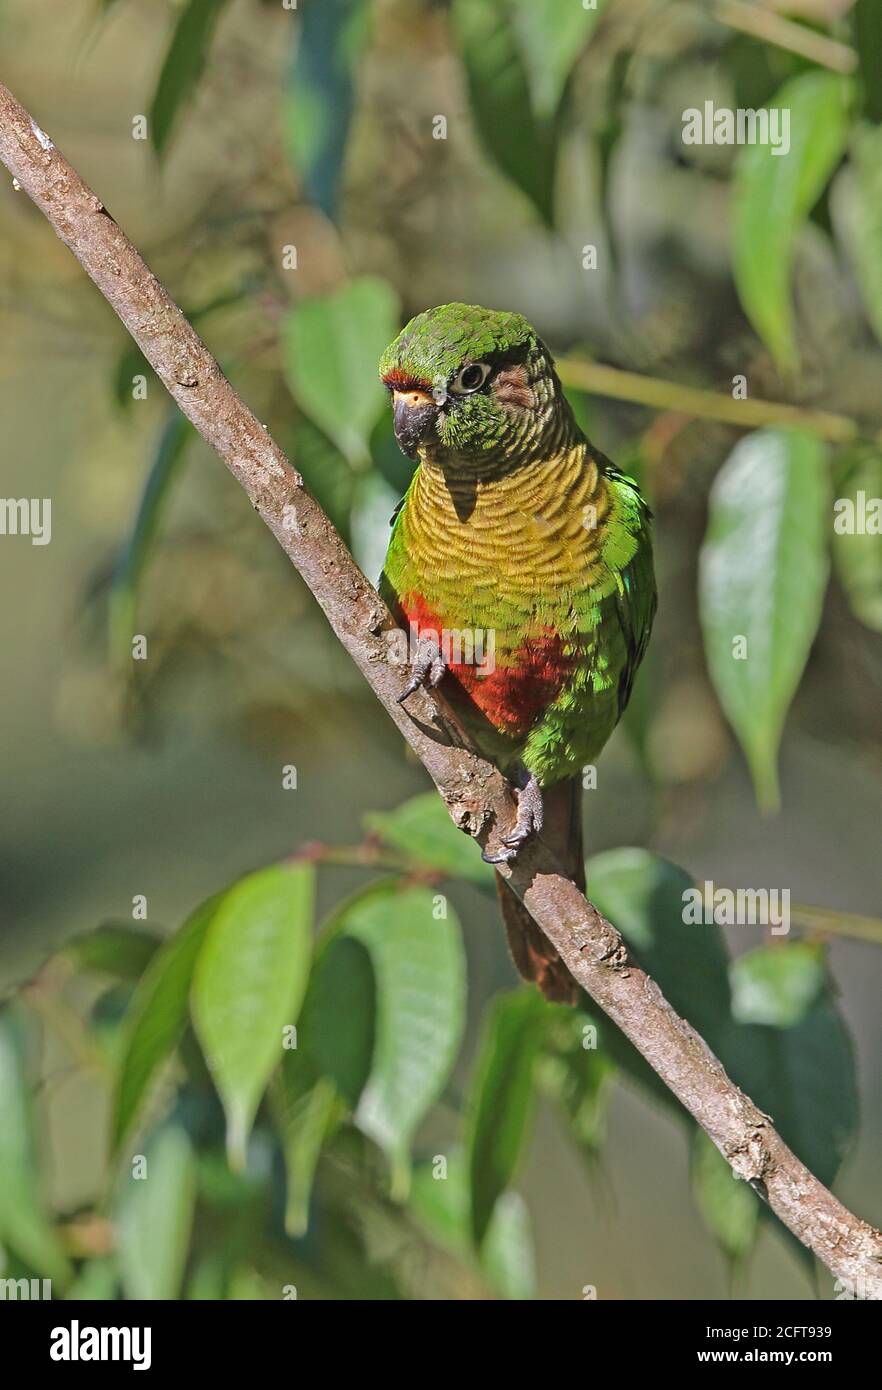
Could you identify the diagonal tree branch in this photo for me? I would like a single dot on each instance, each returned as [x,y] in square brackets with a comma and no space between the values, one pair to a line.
[477,797]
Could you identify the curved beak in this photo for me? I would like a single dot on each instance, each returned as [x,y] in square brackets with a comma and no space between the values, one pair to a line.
[412,413]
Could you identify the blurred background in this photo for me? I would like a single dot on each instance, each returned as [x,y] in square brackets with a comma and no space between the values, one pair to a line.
[308,180]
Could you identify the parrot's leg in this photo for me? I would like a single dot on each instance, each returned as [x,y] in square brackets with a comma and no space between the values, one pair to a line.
[428,669]
[529,821]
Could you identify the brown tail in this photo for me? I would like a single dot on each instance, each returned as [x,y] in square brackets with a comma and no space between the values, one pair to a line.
[532,952]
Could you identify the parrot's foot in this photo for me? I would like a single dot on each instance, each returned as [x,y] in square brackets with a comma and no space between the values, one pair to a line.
[428,669]
[529,822]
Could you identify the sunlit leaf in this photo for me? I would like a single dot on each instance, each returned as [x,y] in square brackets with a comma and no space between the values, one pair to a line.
[157,1020]
[418,963]
[762,573]
[501,1100]
[320,94]
[774,193]
[248,985]
[778,984]
[25,1224]
[183,66]
[422,829]
[155,1216]
[332,347]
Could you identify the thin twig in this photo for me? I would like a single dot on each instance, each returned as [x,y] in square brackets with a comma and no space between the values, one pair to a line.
[476,795]
[785,33]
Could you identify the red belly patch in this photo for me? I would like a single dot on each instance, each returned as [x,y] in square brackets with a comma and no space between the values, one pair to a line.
[511,689]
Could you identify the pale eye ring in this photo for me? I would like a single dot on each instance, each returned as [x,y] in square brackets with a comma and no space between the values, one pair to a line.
[470,378]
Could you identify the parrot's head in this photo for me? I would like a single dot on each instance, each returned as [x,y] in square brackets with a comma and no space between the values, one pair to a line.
[471,387]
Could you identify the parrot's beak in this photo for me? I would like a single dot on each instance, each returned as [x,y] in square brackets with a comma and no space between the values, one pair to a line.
[412,413]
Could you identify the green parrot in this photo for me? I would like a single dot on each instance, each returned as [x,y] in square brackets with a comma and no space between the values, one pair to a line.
[520,561]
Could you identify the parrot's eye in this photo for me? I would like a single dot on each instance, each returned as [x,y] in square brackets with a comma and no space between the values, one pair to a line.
[470,378]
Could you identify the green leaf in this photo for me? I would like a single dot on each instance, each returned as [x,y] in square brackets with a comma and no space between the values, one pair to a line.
[866,18]
[520,143]
[183,66]
[804,1078]
[645,897]
[762,573]
[441,1206]
[332,347]
[157,1020]
[326,473]
[729,1206]
[422,829]
[575,1073]
[777,985]
[774,193]
[337,1026]
[176,435]
[501,1100]
[419,969]
[320,95]
[305,1116]
[25,1225]
[862,217]
[155,1217]
[507,1256]
[857,540]
[551,37]
[114,948]
[248,984]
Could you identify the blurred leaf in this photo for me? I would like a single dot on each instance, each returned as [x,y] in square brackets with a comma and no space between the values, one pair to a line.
[158,1017]
[501,1100]
[183,66]
[863,227]
[804,1078]
[332,347]
[507,1256]
[337,1022]
[248,984]
[520,143]
[857,550]
[130,363]
[25,1224]
[326,473]
[420,979]
[866,17]
[320,94]
[551,37]
[422,829]
[441,1205]
[114,948]
[96,1281]
[154,1218]
[577,1078]
[386,456]
[777,985]
[643,895]
[762,573]
[305,1116]
[372,505]
[176,435]
[729,1206]
[773,194]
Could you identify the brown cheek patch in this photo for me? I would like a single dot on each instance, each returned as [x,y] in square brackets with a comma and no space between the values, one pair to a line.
[512,387]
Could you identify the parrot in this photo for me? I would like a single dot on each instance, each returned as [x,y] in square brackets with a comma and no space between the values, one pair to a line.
[519,541]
